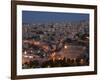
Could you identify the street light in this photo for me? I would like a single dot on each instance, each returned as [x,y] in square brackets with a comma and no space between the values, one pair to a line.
[25,52]
[65,47]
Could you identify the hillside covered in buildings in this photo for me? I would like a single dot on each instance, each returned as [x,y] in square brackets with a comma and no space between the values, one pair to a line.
[59,44]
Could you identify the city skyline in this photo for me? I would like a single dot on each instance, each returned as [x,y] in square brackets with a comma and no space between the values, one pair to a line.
[56,42]
[44,17]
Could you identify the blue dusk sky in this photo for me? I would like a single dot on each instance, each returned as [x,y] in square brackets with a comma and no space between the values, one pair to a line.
[43,17]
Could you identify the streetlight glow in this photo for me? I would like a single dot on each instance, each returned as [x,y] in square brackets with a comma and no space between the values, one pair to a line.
[65,47]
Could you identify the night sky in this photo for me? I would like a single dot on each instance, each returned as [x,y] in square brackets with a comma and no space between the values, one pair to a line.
[43,17]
